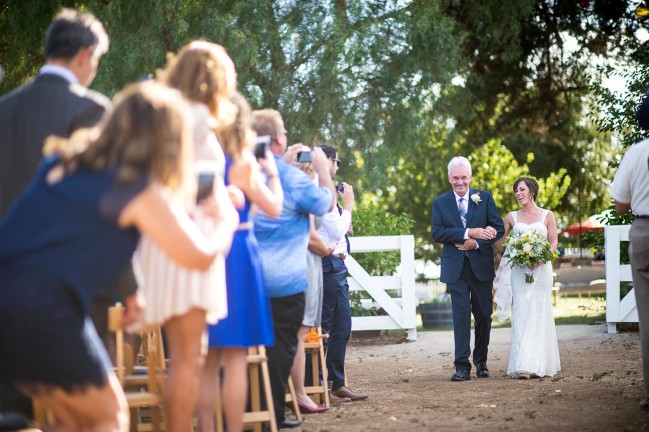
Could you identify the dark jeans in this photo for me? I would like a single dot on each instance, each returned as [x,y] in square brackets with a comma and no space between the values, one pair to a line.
[287,319]
[469,295]
[336,317]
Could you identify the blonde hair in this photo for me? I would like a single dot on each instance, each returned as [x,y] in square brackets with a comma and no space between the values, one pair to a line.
[307,167]
[235,138]
[147,135]
[204,73]
[267,122]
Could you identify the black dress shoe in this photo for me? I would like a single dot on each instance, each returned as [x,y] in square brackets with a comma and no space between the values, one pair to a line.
[644,405]
[461,375]
[289,424]
[482,372]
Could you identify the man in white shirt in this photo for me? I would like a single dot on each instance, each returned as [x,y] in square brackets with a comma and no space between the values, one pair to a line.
[630,191]
[336,309]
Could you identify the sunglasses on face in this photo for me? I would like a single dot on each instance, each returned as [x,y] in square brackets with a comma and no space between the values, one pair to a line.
[337,161]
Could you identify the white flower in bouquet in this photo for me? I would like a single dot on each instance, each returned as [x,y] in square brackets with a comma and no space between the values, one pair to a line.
[528,250]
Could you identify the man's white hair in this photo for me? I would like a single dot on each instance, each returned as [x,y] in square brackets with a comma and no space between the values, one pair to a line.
[459,161]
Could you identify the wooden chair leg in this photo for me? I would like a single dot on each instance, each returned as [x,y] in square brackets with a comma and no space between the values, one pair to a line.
[265,376]
[218,408]
[255,400]
[291,398]
[325,375]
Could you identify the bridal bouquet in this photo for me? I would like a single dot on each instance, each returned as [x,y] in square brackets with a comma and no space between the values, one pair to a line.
[528,250]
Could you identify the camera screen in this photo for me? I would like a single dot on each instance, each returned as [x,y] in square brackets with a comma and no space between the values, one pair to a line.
[304,157]
[261,146]
[205,186]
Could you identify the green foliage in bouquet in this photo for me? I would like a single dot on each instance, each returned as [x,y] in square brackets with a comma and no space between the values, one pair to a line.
[528,250]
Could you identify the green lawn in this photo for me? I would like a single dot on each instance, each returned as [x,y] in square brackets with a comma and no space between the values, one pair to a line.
[573,310]
[568,310]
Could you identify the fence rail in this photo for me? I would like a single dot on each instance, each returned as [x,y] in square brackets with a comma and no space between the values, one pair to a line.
[618,309]
[401,312]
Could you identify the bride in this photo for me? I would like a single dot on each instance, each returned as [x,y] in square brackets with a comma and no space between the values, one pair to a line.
[534,350]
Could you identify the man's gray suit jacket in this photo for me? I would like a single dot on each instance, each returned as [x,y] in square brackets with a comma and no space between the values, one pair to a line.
[48,105]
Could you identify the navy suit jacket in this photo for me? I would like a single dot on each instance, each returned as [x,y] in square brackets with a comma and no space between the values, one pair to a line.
[447,229]
[48,105]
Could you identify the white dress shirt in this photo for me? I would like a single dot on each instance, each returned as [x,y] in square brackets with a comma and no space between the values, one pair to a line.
[333,229]
[61,71]
[631,183]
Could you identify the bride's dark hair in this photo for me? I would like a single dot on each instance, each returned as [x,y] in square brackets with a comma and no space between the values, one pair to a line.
[532,185]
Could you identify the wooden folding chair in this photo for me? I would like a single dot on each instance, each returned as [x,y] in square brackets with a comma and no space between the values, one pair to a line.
[291,399]
[254,418]
[41,415]
[314,347]
[148,395]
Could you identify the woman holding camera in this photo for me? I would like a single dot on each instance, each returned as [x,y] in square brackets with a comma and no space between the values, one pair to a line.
[249,321]
[183,300]
[73,229]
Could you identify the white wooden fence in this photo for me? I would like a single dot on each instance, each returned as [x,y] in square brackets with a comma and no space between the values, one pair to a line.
[402,311]
[618,309]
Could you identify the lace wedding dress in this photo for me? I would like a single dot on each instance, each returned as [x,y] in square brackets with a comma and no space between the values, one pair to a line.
[534,348]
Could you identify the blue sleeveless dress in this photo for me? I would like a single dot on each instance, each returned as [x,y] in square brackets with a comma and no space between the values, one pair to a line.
[60,247]
[249,321]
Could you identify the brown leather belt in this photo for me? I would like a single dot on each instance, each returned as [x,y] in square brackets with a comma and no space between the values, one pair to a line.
[341,256]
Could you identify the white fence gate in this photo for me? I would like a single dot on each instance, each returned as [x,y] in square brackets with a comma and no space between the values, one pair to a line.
[402,311]
[617,309]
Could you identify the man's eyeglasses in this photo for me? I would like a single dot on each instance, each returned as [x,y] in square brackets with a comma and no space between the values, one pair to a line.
[337,161]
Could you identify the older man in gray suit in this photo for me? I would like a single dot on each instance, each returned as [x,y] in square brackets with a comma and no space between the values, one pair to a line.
[56,102]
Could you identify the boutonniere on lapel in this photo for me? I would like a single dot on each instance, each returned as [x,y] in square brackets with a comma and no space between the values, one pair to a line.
[476,198]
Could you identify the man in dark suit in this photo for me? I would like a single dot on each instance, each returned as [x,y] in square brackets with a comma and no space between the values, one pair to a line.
[57,102]
[467,222]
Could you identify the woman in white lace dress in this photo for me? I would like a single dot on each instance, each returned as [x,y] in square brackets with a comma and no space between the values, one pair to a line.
[180,299]
[534,349]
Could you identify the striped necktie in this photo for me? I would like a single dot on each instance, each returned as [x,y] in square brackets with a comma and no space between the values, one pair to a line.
[462,208]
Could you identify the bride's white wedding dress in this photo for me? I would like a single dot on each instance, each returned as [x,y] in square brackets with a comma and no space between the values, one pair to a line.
[534,348]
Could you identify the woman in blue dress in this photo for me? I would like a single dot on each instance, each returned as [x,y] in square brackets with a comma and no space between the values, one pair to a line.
[73,229]
[249,321]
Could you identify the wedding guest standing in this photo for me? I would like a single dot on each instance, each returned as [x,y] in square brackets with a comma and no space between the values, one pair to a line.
[467,222]
[534,350]
[181,299]
[249,321]
[283,245]
[75,227]
[336,309]
[630,191]
[57,102]
[312,307]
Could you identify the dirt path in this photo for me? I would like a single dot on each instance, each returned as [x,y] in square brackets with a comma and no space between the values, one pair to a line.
[598,389]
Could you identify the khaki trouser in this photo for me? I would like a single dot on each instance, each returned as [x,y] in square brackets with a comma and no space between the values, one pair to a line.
[639,253]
